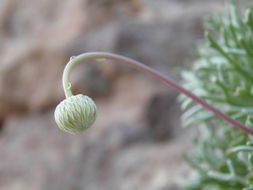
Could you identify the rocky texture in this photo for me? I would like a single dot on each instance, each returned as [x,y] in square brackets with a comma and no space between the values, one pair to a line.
[121,150]
[162,115]
[166,33]
[34,47]
[116,153]
[98,159]
[28,79]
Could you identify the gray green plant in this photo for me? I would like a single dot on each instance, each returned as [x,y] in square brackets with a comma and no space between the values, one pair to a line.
[223,76]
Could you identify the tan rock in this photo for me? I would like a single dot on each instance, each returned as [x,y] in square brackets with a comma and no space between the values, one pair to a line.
[30,79]
[35,38]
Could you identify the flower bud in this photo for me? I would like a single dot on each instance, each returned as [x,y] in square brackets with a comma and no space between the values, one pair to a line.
[75,113]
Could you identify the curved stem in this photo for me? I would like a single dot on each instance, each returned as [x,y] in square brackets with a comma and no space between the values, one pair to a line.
[140,66]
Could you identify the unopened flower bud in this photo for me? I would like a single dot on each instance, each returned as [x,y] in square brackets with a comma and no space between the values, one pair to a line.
[75,114]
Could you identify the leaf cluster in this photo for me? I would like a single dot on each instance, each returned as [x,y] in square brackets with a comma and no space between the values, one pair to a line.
[223,76]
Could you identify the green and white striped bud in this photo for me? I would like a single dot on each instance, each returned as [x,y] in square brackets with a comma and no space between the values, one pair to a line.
[75,114]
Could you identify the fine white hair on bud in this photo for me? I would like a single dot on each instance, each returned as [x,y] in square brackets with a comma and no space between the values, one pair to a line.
[75,114]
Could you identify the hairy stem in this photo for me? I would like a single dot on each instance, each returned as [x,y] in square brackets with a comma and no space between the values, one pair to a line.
[140,66]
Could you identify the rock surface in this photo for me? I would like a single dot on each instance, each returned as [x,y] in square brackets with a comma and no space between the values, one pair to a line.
[136,142]
[34,47]
[116,153]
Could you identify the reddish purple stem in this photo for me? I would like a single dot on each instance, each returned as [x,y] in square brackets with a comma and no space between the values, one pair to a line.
[140,66]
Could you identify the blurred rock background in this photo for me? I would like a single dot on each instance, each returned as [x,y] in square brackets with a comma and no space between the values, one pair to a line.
[137,141]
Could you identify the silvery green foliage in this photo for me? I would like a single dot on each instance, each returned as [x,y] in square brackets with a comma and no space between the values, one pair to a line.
[75,114]
[222,75]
